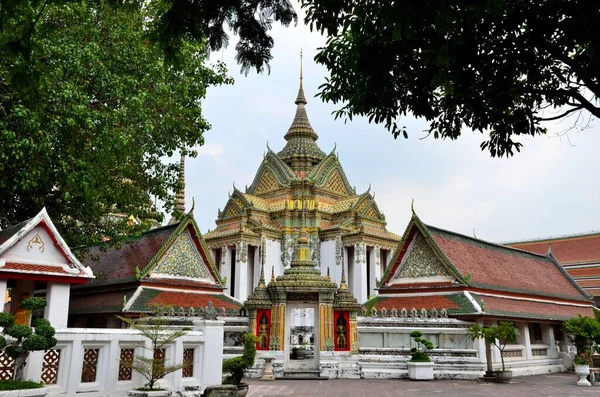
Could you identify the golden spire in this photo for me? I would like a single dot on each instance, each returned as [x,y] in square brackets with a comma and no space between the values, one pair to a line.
[301,99]
[343,281]
[328,275]
[261,280]
[272,274]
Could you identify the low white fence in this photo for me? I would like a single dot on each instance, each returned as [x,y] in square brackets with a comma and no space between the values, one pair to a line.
[88,362]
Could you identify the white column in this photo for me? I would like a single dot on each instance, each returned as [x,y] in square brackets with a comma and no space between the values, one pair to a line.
[3,284]
[212,354]
[479,344]
[548,337]
[527,342]
[359,272]
[57,310]
[495,351]
[241,271]
[225,268]
[177,355]
[111,375]
[374,271]
[256,269]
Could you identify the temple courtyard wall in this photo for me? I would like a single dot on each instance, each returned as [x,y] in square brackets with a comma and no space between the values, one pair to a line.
[385,346]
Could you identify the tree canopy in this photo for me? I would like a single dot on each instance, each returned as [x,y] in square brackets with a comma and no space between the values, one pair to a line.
[495,66]
[89,110]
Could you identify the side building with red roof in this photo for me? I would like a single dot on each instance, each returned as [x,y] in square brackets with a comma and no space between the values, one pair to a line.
[578,254]
[167,266]
[438,273]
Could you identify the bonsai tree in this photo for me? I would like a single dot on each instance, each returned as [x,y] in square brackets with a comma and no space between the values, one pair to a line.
[17,340]
[157,330]
[419,354]
[236,366]
[584,332]
[496,335]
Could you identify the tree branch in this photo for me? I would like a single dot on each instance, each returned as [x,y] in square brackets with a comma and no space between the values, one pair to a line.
[560,116]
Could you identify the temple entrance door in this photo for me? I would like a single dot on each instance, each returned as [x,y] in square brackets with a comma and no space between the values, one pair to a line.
[302,336]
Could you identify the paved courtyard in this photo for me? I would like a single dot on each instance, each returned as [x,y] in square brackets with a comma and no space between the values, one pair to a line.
[540,385]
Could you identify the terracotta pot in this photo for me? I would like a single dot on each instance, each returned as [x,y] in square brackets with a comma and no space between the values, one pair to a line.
[503,376]
[40,392]
[242,389]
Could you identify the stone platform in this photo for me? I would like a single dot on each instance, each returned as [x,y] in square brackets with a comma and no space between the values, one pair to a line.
[553,385]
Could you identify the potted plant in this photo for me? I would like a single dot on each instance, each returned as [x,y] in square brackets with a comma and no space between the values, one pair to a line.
[499,336]
[236,366]
[159,334]
[420,366]
[584,332]
[18,339]
[299,351]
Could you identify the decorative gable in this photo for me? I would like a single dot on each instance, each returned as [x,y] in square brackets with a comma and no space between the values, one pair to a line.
[266,183]
[182,259]
[232,209]
[421,264]
[336,183]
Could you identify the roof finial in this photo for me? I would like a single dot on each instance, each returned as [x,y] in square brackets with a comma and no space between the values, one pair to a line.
[261,280]
[343,281]
[328,275]
[412,206]
[272,274]
[301,99]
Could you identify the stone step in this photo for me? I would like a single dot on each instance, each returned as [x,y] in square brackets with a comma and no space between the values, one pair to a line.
[302,374]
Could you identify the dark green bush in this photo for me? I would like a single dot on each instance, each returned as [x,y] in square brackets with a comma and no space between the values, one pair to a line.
[19,385]
[33,303]
[6,320]
[420,354]
[236,366]
[18,331]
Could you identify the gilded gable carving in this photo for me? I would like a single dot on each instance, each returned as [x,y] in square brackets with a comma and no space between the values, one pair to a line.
[183,260]
[335,182]
[371,212]
[267,183]
[231,210]
[421,261]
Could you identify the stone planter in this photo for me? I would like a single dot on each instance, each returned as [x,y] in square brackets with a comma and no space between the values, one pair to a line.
[420,370]
[582,371]
[299,353]
[242,389]
[153,393]
[503,376]
[40,392]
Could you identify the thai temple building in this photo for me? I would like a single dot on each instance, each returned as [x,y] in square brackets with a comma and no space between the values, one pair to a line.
[579,255]
[343,228]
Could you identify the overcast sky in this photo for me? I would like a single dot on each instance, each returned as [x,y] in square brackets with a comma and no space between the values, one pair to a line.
[551,188]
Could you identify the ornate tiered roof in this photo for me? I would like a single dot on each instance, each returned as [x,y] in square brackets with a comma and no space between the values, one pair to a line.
[270,206]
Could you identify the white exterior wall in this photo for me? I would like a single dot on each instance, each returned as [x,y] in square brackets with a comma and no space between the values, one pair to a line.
[225,268]
[328,260]
[359,273]
[57,296]
[273,258]
[206,339]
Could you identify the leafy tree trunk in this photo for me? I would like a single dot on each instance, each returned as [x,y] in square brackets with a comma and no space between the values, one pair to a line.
[20,363]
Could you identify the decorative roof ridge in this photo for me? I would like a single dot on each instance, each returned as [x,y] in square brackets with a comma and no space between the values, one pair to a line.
[592,233]
[508,248]
[552,258]
[502,288]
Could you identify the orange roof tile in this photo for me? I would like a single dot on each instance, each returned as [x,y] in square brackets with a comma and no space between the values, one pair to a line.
[576,249]
[508,307]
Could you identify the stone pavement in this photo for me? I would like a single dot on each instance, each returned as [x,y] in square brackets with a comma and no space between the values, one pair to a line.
[540,385]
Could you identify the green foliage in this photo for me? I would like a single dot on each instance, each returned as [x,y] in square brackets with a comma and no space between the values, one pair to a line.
[160,334]
[499,67]
[370,304]
[19,385]
[236,366]
[24,339]
[419,354]
[497,335]
[6,320]
[33,303]
[583,332]
[88,112]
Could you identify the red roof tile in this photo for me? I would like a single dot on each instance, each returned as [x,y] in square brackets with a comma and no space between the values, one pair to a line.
[500,267]
[186,300]
[26,268]
[576,249]
[530,309]
[585,272]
